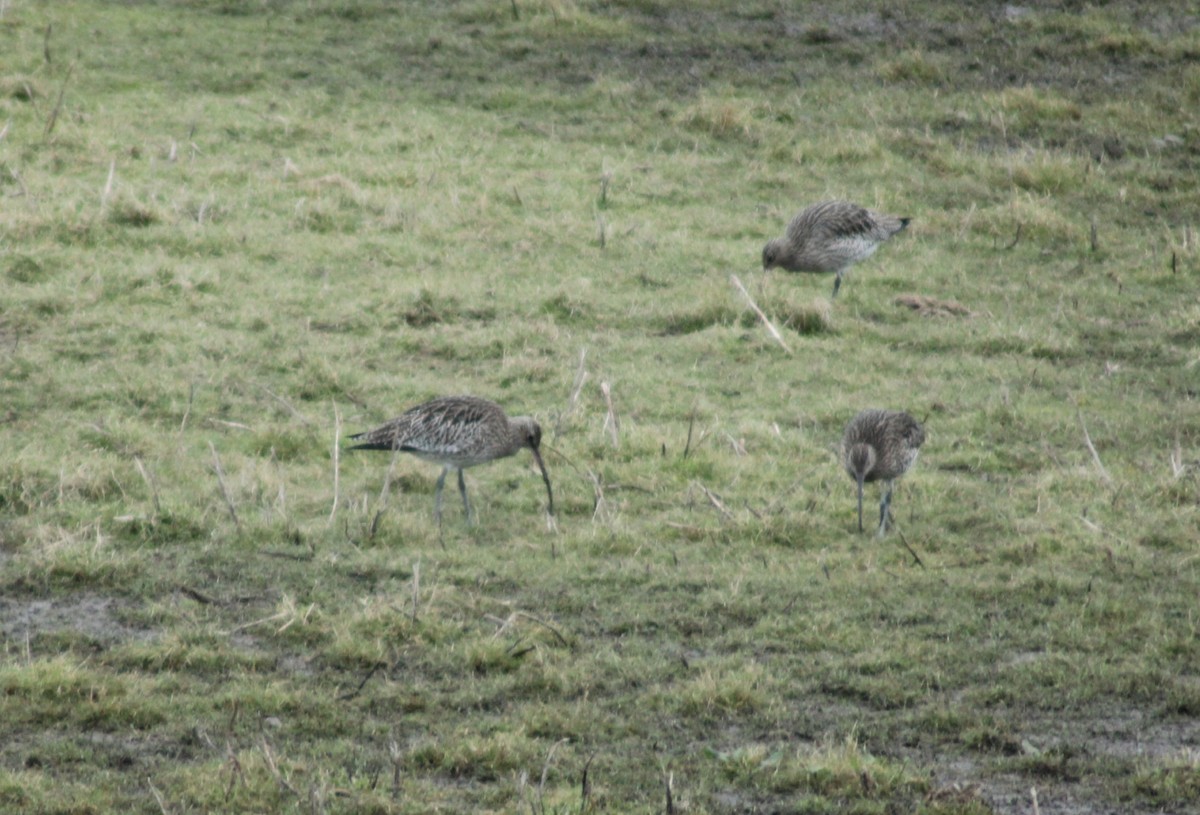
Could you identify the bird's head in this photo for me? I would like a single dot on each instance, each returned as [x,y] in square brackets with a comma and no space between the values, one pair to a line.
[860,460]
[771,253]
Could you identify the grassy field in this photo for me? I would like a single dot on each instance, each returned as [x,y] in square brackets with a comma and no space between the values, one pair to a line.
[233,232]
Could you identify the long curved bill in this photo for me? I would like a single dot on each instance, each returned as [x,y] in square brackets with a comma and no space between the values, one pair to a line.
[860,492]
[545,477]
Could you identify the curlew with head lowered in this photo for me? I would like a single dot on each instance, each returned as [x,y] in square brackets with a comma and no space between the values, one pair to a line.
[830,237]
[458,432]
[880,445]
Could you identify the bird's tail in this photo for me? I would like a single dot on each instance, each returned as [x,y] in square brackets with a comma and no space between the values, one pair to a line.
[371,444]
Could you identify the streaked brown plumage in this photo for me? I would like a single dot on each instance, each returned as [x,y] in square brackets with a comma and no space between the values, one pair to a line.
[458,432]
[830,237]
[880,445]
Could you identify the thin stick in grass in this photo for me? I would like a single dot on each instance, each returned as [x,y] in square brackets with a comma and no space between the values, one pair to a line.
[581,375]
[141,468]
[337,452]
[416,588]
[761,316]
[224,490]
[610,421]
[383,493]
[1087,439]
[108,186]
[585,791]
[58,106]
[546,772]
[687,447]
[188,410]
[397,757]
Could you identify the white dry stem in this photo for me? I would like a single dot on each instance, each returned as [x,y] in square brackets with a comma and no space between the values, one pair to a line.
[286,404]
[137,460]
[546,771]
[158,797]
[387,478]
[1176,457]
[337,452]
[598,499]
[188,410]
[1087,439]
[581,375]
[224,490]
[234,425]
[761,316]
[717,503]
[108,186]
[610,421]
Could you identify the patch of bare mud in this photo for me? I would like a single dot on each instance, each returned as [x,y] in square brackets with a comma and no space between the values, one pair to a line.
[91,615]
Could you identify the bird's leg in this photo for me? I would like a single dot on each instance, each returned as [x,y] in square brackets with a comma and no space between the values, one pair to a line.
[462,489]
[860,492]
[884,508]
[437,497]
[837,284]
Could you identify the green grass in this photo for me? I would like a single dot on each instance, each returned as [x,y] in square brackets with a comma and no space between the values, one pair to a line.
[234,232]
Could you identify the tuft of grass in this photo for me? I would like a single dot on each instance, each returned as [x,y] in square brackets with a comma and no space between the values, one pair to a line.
[129,212]
[913,66]
[721,118]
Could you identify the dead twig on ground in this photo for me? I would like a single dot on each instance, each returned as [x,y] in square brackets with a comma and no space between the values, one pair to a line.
[581,375]
[687,447]
[416,588]
[108,186]
[714,500]
[348,695]
[911,551]
[153,487]
[585,787]
[224,490]
[199,596]
[1087,439]
[273,767]
[1178,468]
[546,772]
[188,410]
[62,90]
[337,452]
[286,404]
[611,424]
[233,425]
[761,316]
[505,623]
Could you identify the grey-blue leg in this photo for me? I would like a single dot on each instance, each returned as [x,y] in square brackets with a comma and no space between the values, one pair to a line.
[462,489]
[837,284]
[884,507]
[437,495]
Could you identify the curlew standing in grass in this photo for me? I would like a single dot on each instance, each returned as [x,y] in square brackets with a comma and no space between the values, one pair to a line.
[458,432]
[880,445]
[830,237]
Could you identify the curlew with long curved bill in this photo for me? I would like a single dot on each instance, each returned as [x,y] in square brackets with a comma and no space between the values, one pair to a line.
[830,237]
[880,445]
[458,432]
